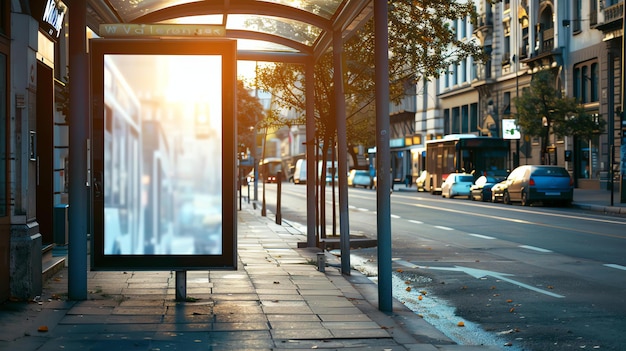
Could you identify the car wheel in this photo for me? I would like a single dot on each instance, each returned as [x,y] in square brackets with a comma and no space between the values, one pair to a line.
[506,198]
[525,201]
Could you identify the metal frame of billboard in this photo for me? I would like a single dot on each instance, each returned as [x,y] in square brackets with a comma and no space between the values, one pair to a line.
[226,257]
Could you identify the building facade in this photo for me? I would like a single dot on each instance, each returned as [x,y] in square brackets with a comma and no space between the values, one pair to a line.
[33,134]
[579,41]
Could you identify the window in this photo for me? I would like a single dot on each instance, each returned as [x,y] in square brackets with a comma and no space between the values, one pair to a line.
[463,72]
[473,117]
[464,119]
[456,123]
[506,111]
[584,85]
[576,19]
[4,17]
[593,12]
[594,82]
[586,80]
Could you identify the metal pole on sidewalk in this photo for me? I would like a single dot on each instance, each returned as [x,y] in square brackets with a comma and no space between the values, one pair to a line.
[383,207]
[279,182]
[342,154]
[78,143]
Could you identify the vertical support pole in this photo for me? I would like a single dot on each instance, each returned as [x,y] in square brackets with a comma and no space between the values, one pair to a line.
[264,172]
[78,170]
[611,114]
[311,213]
[279,188]
[622,154]
[383,208]
[342,153]
[181,285]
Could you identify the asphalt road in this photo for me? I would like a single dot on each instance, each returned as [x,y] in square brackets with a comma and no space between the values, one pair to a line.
[539,278]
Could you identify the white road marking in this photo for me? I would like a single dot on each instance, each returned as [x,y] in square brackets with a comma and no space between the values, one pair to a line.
[444,228]
[617,266]
[534,248]
[480,273]
[416,222]
[483,236]
[395,216]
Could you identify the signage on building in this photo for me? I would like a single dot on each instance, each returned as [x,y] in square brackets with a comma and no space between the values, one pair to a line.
[510,129]
[160,30]
[52,17]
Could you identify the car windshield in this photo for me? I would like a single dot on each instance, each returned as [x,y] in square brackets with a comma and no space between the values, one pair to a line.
[466,179]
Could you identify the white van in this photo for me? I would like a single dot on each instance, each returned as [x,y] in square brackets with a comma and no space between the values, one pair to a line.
[299,172]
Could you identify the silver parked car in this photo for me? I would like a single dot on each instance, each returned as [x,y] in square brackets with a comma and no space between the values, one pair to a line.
[529,184]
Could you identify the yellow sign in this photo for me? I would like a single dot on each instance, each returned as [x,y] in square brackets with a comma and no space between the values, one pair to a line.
[160,30]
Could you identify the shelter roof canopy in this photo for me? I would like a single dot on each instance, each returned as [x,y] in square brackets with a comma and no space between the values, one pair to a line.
[304,26]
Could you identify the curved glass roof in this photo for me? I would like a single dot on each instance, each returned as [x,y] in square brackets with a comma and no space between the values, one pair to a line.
[263,26]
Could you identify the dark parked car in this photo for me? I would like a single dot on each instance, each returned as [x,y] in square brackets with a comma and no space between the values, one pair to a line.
[529,184]
[481,189]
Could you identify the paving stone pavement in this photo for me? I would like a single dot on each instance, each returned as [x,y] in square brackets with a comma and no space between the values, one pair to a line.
[276,299]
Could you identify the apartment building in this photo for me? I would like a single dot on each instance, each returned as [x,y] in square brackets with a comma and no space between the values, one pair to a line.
[579,41]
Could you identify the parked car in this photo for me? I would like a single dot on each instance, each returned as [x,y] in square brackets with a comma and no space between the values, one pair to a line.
[497,191]
[481,189]
[299,172]
[358,177]
[457,184]
[420,182]
[546,184]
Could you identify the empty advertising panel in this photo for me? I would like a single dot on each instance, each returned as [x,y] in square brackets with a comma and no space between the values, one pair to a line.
[163,154]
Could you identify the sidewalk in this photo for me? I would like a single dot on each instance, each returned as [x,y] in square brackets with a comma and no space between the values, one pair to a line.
[277,299]
[599,201]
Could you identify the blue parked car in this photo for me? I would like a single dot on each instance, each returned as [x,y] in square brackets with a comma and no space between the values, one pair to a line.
[530,184]
[360,178]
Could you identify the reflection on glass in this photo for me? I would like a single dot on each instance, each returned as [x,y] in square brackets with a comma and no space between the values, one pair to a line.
[162,155]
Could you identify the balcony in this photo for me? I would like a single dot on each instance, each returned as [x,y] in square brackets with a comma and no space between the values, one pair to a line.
[547,40]
[612,18]
[484,23]
[545,54]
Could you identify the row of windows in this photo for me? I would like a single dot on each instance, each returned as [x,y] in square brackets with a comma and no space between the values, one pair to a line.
[461,119]
[586,82]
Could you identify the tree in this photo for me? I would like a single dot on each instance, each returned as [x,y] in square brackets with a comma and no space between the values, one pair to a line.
[422,44]
[249,113]
[542,110]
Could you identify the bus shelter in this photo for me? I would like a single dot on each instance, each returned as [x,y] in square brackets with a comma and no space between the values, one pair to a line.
[280,39]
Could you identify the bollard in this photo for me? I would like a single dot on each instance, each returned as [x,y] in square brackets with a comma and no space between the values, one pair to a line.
[321,262]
